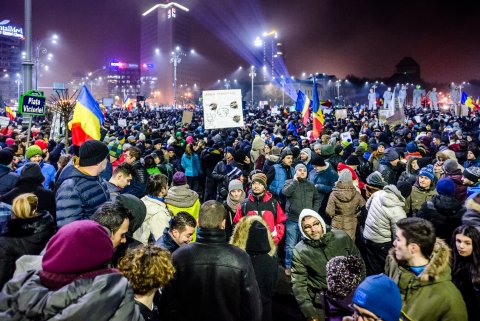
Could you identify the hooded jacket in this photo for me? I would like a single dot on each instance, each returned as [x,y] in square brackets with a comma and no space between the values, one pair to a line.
[79,300]
[257,148]
[79,195]
[343,205]
[445,213]
[310,257]
[48,172]
[31,181]
[181,198]
[388,172]
[23,237]
[385,209]
[8,179]
[417,197]
[472,215]
[431,296]
[409,175]
[460,189]
[324,180]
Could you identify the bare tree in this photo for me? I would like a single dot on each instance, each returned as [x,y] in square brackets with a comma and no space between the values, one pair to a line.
[63,104]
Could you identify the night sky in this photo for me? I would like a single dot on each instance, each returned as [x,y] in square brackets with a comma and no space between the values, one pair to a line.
[364,38]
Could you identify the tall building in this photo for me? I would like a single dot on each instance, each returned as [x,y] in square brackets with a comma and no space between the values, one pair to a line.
[11,44]
[269,55]
[164,28]
[123,79]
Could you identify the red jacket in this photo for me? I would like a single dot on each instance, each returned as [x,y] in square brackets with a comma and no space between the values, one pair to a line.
[267,207]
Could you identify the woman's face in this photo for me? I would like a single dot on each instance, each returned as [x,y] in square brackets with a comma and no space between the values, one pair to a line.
[415,165]
[266,149]
[470,155]
[464,245]
[381,149]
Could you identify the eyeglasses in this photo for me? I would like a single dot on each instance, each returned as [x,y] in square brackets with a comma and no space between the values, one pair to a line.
[357,314]
[308,227]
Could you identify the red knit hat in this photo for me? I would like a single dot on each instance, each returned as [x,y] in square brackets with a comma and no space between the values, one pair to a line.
[41,143]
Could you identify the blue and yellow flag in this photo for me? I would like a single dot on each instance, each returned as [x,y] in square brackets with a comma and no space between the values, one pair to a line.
[303,105]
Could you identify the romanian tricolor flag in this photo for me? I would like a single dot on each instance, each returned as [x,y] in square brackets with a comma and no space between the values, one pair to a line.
[10,113]
[128,103]
[317,113]
[87,119]
[302,105]
[468,101]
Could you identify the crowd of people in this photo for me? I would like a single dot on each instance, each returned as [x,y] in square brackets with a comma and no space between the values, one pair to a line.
[164,220]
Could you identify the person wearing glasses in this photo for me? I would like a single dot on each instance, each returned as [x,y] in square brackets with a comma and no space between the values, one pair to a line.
[319,244]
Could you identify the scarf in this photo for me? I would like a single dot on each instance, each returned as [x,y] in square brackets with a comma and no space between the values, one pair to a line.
[233,205]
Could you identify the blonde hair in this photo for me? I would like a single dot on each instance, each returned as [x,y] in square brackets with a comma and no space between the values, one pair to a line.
[25,205]
[242,229]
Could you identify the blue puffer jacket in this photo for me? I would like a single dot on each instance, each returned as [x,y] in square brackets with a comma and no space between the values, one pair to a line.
[79,195]
[324,180]
[280,179]
[48,172]
[472,163]
[191,165]
[8,179]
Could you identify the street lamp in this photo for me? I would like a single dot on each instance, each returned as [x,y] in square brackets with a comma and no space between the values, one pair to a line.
[226,83]
[18,81]
[252,75]
[282,82]
[176,60]
[40,51]
[338,85]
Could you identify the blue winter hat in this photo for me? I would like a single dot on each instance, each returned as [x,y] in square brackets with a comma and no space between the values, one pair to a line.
[427,171]
[412,147]
[446,186]
[379,295]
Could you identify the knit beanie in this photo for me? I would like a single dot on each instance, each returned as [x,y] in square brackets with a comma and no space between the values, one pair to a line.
[32,172]
[450,166]
[33,151]
[345,176]
[261,178]
[343,275]
[232,171]
[427,171]
[235,184]
[472,174]
[379,295]
[78,247]
[189,139]
[285,152]
[317,160]
[300,166]
[412,147]
[257,242]
[41,143]
[115,149]
[317,146]
[327,150]
[446,186]
[276,151]
[359,151]
[179,179]
[6,157]
[376,179]
[404,188]
[391,154]
[92,152]
[352,160]
[9,141]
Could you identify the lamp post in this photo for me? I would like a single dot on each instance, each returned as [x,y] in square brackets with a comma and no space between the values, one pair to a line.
[282,82]
[226,83]
[175,60]
[252,75]
[338,85]
[39,52]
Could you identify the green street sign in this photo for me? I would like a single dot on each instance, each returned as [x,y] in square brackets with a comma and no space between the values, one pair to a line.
[32,103]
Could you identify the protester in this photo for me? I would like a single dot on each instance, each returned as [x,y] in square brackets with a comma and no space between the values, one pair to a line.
[122,177]
[180,198]
[179,232]
[8,178]
[236,195]
[138,184]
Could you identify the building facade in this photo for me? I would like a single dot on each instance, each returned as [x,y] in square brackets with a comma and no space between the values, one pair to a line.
[11,45]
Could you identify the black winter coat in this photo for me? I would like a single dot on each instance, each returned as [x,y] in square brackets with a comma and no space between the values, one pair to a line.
[8,179]
[213,281]
[445,213]
[23,237]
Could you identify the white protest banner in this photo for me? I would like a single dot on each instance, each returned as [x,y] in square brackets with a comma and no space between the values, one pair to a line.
[122,122]
[275,111]
[4,121]
[222,108]
[341,113]
[418,119]
[187,117]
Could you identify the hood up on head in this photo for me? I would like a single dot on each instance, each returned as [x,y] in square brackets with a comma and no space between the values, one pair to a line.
[308,212]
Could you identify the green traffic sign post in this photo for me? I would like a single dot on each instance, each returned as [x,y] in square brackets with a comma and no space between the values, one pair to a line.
[32,103]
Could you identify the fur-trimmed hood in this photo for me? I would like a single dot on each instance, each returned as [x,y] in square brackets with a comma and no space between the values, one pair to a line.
[242,229]
[438,269]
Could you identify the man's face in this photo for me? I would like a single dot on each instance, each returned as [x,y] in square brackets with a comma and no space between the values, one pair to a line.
[171,154]
[318,151]
[36,159]
[123,181]
[119,236]
[236,194]
[402,250]
[301,173]
[257,188]
[437,141]
[312,227]
[288,160]
[361,314]
[128,158]
[424,182]
[157,146]
[319,168]
[184,237]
